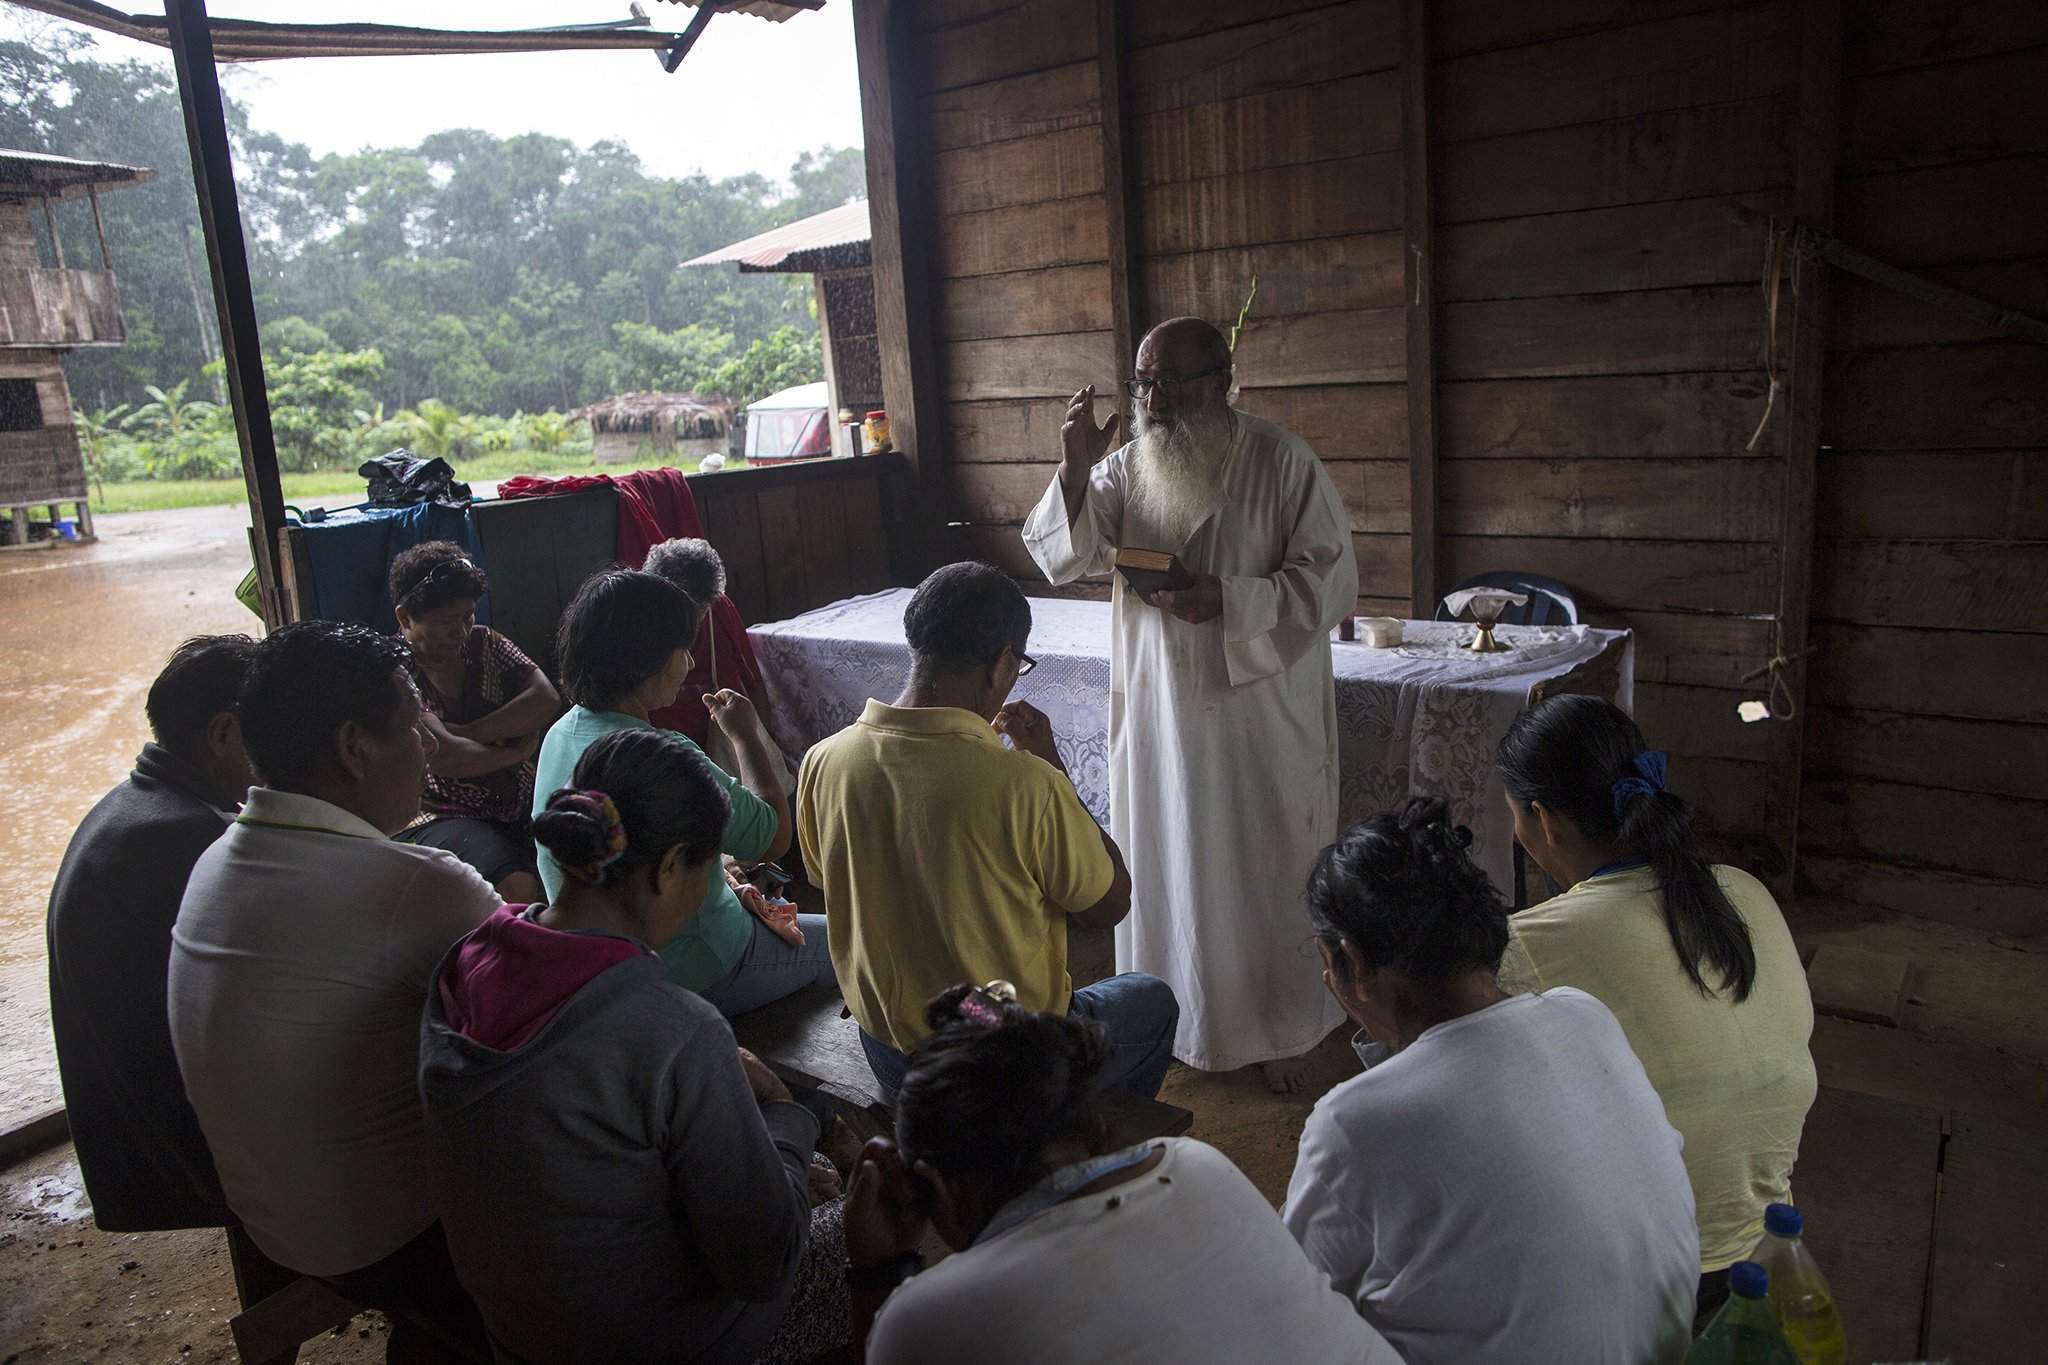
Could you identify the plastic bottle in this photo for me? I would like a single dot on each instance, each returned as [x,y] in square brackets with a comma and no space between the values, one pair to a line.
[1799,1293]
[1743,1332]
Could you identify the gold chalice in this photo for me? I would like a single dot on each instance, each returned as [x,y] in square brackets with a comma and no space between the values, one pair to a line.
[1485,609]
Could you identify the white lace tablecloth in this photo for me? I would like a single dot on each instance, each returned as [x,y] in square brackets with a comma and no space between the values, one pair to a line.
[1418,719]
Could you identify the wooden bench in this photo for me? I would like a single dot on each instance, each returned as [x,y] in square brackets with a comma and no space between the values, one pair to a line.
[808,1041]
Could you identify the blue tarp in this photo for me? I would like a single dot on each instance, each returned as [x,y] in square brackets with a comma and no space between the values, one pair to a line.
[351,553]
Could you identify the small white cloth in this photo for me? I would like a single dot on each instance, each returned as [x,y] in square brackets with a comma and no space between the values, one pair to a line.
[1455,603]
[1505,1189]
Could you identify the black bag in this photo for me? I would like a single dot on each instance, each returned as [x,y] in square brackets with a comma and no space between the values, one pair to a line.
[402,478]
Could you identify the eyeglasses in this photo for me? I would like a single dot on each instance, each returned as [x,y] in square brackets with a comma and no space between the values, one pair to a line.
[1139,387]
[1025,663]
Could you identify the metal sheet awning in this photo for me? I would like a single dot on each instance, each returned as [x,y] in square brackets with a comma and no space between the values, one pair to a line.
[820,241]
[61,177]
[255,40]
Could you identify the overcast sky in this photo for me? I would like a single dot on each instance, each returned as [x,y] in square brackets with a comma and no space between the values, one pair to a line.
[750,96]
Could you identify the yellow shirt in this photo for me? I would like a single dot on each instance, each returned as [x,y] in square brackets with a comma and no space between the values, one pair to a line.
[1736,1079]
[944,857]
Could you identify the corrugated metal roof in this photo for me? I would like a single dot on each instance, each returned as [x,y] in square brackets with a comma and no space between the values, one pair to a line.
[775,11]
[846,225]
[59,176]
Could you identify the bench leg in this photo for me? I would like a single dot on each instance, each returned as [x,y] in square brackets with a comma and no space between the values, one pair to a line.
[257,1277]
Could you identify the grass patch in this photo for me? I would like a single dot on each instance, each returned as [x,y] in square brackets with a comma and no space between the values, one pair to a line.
[333,488]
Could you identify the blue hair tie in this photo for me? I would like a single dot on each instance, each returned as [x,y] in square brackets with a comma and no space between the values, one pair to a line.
[1648,781]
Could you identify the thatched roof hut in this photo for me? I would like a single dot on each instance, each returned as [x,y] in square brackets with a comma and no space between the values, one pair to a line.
[644,425]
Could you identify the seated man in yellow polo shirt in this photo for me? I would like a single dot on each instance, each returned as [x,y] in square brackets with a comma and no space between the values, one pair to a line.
[947,856]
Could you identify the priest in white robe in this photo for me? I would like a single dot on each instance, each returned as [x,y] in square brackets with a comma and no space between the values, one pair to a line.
[1223,713]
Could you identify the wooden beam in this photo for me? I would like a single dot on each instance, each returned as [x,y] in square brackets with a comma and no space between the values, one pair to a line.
[1418,207]
[1816,137]
[905,244]
[227,258]
[99,225]
[1117,199]
[56,241]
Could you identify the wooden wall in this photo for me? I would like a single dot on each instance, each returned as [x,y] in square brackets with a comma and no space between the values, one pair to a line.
[1598,362]
[1927,749]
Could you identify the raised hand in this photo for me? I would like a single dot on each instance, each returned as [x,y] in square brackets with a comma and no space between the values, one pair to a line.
[883,1219]
[733,712]
[1082,443]
[1028,728]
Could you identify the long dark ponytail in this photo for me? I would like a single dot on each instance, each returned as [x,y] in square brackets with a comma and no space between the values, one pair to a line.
[1578,756]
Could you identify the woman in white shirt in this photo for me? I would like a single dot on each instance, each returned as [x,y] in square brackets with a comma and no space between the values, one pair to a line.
[1504,1187]
[1065,1250]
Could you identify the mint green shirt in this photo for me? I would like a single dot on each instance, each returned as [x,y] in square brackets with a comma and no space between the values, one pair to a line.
[714,939]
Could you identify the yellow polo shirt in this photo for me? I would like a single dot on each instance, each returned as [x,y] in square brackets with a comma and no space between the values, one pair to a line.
[944,857]
[1736,1079]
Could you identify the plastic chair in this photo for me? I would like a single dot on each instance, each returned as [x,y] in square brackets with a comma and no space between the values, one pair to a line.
[1551,603]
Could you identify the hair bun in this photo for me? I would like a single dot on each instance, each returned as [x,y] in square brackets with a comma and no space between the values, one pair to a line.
[583,831]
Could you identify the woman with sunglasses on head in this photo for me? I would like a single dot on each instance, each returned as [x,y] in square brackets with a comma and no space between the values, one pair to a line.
[486,705]
[1066,1250]
[1504,1187]
[1694,959]
[622,1182]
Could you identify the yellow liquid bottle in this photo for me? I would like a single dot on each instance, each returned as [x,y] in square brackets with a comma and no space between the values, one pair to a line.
[1799,1294]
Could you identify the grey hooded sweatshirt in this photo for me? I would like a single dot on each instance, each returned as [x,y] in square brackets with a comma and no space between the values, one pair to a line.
[610,1188]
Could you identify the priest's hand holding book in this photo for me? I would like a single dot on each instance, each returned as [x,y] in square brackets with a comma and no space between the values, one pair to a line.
[1161,580]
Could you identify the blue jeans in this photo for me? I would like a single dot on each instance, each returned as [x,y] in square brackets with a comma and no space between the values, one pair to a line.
[771,969]
[1136,1009]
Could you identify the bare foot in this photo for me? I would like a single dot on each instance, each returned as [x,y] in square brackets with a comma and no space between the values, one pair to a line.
[1285,1076]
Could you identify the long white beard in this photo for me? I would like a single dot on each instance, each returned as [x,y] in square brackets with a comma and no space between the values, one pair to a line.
[1174,469]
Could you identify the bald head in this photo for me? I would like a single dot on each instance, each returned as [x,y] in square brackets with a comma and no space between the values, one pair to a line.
[1181,346]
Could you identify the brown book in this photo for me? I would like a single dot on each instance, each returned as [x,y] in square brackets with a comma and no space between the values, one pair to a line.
[1149,571]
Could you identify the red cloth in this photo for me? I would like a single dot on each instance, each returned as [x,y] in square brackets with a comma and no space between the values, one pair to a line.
[510,976]
[657,505]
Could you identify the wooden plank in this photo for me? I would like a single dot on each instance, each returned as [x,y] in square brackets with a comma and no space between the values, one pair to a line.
[1681,154]
[1029,367]
[1019,106]
[1958,494]
[1896,33]
[1863,314]
[1471,28]
[1018,429]
[782,526]
[1990,1257]
[1164,21]
[1329,121]
[1654,332]
[905,242]
[1362,346]
[1716,56]
[1342,422]
[1063,232]
[1815,146]
[1938,585]
[1280,204]
[1876,1250]
[38,1132]
[1726,796]
[1938,398]
[1019,38]
[1027,170]
[1991,905]
[867,536]
[1993,757]
[1661,575]
[1330,274]
[1420,129]
[1700,721]
[1112,69]
[1026,303]
[828,568]
[1281,53]
[1668,499]
[1988,107]
[1691,647]
[1385,566]
[1617,417]
[1968,832]
[1003,494]
[1931,672]
[1375,493]
[1983,211]
[1637,246]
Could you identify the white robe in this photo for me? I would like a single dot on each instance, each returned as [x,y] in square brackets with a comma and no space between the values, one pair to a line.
[1223,741]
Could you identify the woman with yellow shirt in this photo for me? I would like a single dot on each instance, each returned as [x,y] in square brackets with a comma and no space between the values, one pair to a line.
[1693,958]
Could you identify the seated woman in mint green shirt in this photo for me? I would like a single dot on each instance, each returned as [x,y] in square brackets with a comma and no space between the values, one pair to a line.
[624,647]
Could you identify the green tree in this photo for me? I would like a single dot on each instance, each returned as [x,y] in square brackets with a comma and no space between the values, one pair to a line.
[313,401]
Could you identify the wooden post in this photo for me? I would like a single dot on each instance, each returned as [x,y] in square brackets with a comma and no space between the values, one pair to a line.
[1116,191]
[901,227]
[56,241]
[99,226]
[1418,204]
[1816,138]
[227,256]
